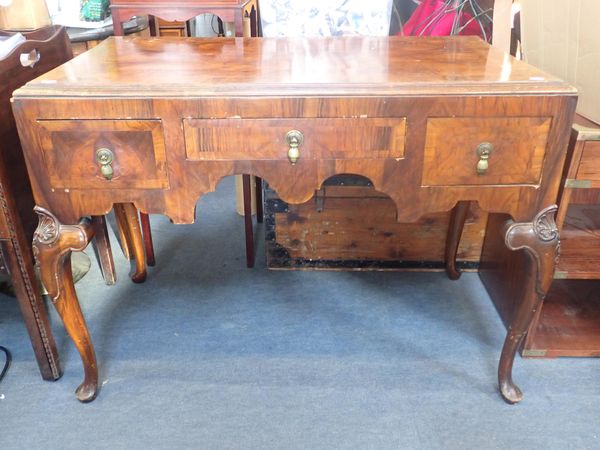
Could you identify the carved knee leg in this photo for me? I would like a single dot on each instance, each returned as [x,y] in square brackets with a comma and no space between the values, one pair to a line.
[52,247]
[541,243]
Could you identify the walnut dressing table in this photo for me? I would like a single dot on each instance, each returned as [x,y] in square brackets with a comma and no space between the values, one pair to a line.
[433,122]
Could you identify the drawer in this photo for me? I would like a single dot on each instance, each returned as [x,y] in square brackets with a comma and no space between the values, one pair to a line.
[136,149]
[265,139]
[589,165]
[451,150]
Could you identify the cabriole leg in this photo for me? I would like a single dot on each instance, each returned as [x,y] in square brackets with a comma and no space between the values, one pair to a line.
[129,224]
[540,241]
[455,229]
[52,247]
[103,250]
[249,233]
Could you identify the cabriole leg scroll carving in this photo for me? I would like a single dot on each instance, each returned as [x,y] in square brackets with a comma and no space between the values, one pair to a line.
[53,243]
[540,241]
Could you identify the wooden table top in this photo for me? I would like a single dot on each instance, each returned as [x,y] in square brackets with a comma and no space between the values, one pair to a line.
[339,66]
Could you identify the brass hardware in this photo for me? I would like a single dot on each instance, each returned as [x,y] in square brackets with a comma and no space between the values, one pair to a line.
[320,199]
[560,275]
[532,353]
[586,133]
[294,139]
[578,184]
[105,157]
[484,150]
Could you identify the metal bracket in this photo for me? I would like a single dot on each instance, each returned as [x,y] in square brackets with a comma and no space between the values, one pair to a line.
[320,199]
[586,133]
[534,353]
[578,184]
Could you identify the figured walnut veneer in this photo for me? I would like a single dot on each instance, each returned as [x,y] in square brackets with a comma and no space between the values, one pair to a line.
[70,152]
[519,147]
[407,113]
[264,139]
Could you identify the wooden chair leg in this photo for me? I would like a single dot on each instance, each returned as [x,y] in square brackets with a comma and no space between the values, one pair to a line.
[259,199]
[248,221]
[455,229]
[147,234]
[122,232]
[103,250]
[127,220]
[53,243]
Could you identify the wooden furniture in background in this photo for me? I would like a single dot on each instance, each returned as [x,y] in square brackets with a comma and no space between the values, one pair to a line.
[245,17]
[273,114]
[568,321]
[180,11]
[170,28]
[17,219]
[82,39]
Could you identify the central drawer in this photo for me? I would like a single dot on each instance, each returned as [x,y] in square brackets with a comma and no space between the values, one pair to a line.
[265,139]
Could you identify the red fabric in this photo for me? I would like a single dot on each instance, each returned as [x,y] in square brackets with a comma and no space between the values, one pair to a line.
[419,22]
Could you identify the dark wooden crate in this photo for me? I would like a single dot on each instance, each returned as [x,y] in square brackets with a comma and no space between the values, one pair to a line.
[348,225]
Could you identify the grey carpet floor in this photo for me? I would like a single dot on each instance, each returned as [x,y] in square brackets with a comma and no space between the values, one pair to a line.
[210,355]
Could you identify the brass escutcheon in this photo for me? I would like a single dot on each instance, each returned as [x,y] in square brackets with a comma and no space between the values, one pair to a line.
[294,139]
[484,150]
[105,157]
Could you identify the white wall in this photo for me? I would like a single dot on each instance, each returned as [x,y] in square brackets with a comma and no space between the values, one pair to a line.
[563,38]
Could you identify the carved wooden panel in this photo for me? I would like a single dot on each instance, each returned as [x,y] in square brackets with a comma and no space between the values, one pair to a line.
[138,147]
[264,139]
[519,146]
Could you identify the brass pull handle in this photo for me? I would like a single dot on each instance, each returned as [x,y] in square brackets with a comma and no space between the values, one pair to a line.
[484,150]
[105,157]
[294,140]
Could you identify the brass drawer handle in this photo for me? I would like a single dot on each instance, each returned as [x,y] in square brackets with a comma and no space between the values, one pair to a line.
[294,140]
[484,150]
[105,157]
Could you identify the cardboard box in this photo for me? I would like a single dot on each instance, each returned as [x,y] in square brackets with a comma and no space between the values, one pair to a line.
[22,15]
[562,38]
